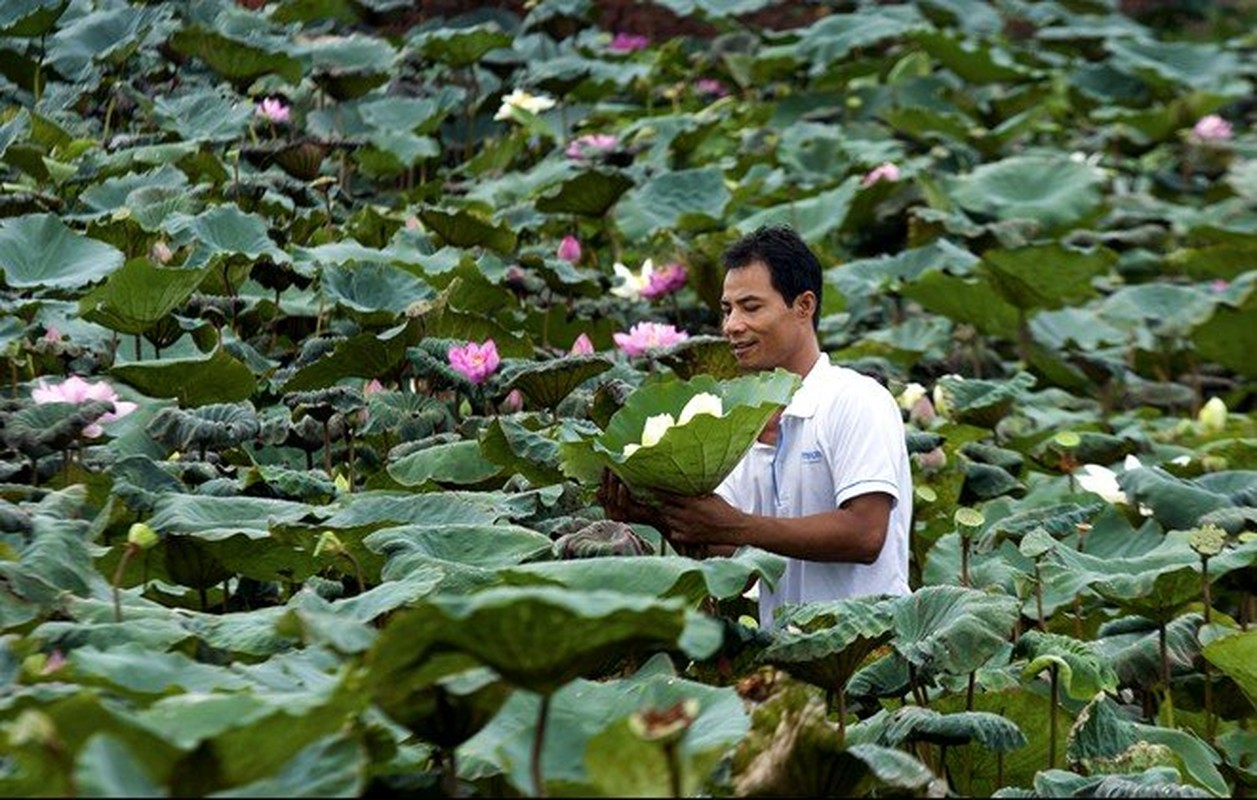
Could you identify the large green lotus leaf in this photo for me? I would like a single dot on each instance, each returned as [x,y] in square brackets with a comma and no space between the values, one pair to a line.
[674,576]
[814,217]
[1104,735]
[488,546]
[1176,503]
[335,765]
[30,18]
[590,194]
[869,276]
[977,401]
[193,381]
[914,723]
[701,355]
[1167,309]
[987,770]
[592,714]
[1046,276]
[1236,655]
[464,228]
[832,38]
[104,36]
[975,62]
[1133,646]
[203,115]
[548,382]
[112,193]
[929,124]
[518,449]
[364,355]
[694,458]
[225,230]
[540,638]
[1082,669]
[210,518]
[456,463]
[407,114]
[713,9]
[240,62]
[966,299]
[1199,65]
[138,295]
[459,47]
[38,250]
[369,511]
[690,199]
[834,641]
[136,670]
[252,734]
[951,629]
[1056,192]
[106,767]
[793,750]
[1226,336]
[373,288]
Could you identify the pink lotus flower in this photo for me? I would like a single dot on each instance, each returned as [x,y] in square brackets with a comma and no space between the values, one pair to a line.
[1211,128]
[882,172]
[628,42]
[646,336]
[475,362]
[273,110]
[710,87]
[582,346]
[664,282]
[569,249]
[78,391]
[590,145]
[52,334]
[371,387]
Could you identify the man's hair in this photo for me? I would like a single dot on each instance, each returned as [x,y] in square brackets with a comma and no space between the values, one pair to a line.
[792,266]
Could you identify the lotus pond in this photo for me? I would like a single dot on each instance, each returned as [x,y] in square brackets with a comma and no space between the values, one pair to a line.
[316,314]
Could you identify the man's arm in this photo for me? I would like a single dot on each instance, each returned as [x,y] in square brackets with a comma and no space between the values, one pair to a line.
[854,532]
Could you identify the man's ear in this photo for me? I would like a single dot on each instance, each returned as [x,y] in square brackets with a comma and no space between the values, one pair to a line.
[805,304]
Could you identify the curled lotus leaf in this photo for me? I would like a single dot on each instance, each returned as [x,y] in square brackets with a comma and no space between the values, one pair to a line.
[692,458]
[914,723]
[213,427]
[49,427]
[548,382]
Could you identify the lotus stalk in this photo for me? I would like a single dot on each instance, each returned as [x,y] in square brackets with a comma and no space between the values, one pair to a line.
[539,736]
[1207,541]
[140,537]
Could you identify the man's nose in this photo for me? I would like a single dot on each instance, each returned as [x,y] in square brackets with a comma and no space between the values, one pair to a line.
[732,323]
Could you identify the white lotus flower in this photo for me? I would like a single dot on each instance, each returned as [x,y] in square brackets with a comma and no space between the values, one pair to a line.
[632,283]
[1100,480]
[656,426]
[518,98]
[1212,416]
[910,395]
[701,403]
[630,449]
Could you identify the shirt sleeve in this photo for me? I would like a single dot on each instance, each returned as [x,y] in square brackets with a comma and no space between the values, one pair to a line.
[864,438]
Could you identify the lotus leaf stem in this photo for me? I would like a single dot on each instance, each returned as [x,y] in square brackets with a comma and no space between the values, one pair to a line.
[539,736]
[674,768]
[1053,672]
[131,550]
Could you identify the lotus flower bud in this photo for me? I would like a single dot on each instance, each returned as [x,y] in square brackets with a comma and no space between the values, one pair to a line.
[329,544]
[910,395]
[1212,416]
[142,536]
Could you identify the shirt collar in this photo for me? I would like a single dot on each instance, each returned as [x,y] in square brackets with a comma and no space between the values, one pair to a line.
[808,396]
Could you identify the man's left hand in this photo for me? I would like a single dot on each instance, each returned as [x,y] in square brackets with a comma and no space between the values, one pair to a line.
[703,520]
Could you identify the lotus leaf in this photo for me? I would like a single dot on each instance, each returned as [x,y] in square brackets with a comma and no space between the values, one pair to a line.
[1104,737]
[548,382]
[838,637]
[951,629]
[693,458]
[39,250]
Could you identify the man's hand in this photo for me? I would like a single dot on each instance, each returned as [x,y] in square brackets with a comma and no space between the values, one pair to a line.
[618,503]
[705,521]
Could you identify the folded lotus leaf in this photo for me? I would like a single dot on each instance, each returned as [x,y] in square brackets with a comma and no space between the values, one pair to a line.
[691,459]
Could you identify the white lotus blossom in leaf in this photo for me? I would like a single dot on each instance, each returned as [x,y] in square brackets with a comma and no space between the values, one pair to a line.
[1100,480]
[656,426]
[632,283]
[518,98]
[1212,416]
[910,395]
[701,403]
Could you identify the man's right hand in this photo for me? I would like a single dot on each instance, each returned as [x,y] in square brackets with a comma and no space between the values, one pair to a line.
[618,503]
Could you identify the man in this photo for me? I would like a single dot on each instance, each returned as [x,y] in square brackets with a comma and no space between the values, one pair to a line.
[828,485]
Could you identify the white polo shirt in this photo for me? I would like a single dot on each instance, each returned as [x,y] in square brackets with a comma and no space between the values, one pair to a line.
[841,436]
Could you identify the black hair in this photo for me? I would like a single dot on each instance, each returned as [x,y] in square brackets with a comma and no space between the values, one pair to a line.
[792,266]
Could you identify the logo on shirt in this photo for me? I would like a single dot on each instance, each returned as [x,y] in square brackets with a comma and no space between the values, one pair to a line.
[812,456]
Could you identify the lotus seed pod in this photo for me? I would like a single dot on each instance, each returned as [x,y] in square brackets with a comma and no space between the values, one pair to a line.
[1207,540]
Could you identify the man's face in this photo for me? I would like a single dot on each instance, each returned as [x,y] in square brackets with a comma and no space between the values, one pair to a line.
[762,330]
